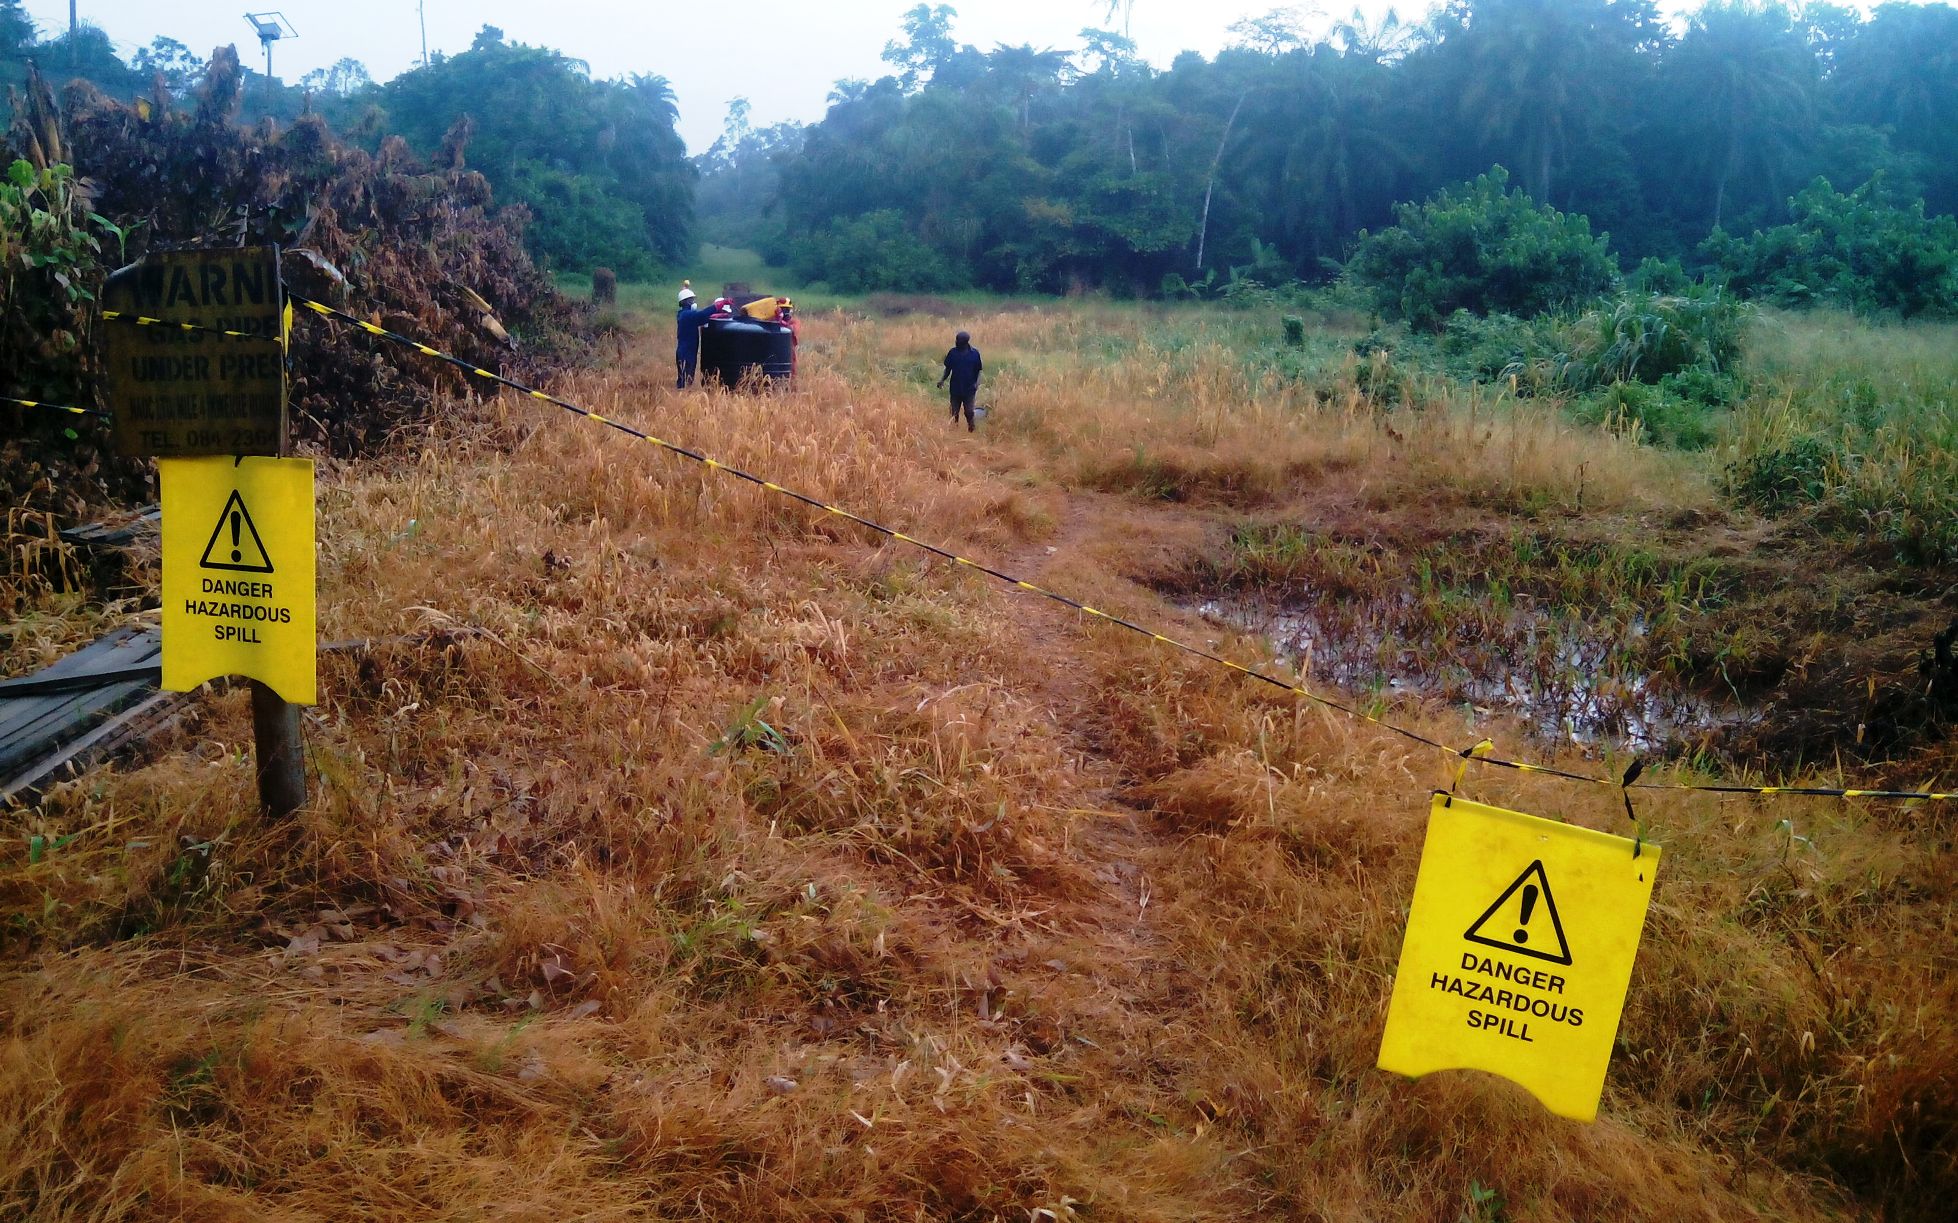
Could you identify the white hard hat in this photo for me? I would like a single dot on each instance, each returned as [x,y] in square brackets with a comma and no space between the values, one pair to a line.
[686,290]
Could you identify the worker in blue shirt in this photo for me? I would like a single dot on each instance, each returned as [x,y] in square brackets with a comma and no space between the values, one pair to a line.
[962,366]
[686,349]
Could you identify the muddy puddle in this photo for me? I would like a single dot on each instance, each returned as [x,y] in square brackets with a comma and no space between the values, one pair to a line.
[1566,680]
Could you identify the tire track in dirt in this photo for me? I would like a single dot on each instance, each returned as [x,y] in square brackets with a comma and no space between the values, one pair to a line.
[1117,841]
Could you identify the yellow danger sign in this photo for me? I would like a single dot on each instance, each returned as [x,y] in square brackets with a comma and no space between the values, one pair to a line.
[238,573]
[1519,948]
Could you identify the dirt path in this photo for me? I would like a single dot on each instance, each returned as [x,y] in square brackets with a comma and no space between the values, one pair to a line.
[1119,843]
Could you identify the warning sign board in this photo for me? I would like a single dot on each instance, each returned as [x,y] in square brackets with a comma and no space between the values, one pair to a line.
[238,573]
[175,392]
[1519,948]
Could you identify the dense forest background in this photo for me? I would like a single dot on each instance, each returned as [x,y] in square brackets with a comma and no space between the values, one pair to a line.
[1055,170]
[1023,169]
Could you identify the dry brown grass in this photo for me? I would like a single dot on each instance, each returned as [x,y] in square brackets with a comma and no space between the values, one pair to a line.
[699,855]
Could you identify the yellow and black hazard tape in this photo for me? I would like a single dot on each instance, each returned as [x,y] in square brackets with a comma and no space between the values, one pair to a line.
[1801,791]
[54,407]
[890,532]
[1476,753]
[470,367]
[144,320]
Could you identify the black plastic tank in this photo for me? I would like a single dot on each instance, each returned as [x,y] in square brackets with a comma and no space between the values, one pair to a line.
[738,352]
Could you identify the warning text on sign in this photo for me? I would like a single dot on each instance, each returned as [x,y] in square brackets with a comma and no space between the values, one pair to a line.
[179,392]
[237,621]
[1514,1007]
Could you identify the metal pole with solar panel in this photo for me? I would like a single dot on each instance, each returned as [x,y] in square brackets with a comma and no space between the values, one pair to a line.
[271,27]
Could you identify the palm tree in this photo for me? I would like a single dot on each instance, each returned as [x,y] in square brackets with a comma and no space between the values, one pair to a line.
[1342,150]
[1746,82]
[1538,74]
[1901,68]
[1125,7]
[1023,72]
[1377,40]
[1900,71]
[655,94]
[1313,147]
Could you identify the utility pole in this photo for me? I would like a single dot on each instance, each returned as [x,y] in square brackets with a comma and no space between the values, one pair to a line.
[74,39]
[421,15]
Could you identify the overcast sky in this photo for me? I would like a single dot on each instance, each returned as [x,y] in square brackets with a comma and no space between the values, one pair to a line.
[783,55]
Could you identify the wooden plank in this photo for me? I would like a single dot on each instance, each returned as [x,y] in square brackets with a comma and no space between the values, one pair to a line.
[115,534]
[45,718]
[159,710]
[106,662]
[68,718]
[95,655]
[63,701]
[43,711]
[128,653]
[36,685]
[16,715]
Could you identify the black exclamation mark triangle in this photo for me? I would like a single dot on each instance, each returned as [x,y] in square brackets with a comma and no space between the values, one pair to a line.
[235,544]
[1527,926]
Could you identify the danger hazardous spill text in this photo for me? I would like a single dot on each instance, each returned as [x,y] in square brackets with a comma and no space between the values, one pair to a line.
[1513,1007]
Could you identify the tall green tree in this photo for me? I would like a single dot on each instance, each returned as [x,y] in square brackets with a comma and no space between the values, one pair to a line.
[1536,78]
[1319,154]
[926,45]
[589,157]
[1744,85]
[171,62]
[89,53]
[344,79]
[740,182]
[1899,73]
[16,41]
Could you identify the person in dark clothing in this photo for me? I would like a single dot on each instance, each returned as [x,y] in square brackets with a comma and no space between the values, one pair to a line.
[686,349]
[962,366]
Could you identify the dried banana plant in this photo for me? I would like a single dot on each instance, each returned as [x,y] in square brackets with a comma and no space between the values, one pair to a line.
[419,249]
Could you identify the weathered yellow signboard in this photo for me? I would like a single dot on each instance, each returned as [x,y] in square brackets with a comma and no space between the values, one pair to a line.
[176,392]
[1518,952]
[238,573]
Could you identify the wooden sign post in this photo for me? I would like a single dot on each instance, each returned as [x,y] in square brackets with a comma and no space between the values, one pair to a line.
[181,393]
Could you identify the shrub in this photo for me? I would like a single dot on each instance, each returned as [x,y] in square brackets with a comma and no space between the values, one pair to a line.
[1658,276]
[1175,288]
[1780,479]
[1658,414]
[1849,249]
[50,264]
[871,252]
[1494,348]
[1643,337]
[1267,267]
[1482,248]
[52,255]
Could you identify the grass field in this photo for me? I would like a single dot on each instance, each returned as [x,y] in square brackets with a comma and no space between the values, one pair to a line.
[683,852]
